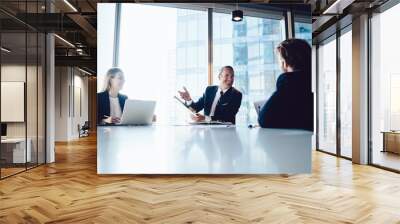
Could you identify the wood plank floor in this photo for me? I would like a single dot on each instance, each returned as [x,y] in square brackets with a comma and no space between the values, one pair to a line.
[70,191]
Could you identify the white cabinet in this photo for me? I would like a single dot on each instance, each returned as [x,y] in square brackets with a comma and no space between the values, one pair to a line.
[15,148]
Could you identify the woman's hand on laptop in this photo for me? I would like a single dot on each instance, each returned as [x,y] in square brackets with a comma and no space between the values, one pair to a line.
[115,120]
[112,120]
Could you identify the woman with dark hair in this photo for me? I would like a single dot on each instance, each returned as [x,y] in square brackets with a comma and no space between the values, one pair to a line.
[291,105]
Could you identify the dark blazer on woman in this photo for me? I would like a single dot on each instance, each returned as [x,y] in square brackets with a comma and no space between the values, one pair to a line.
[227,106]
[291,105]
[103,105]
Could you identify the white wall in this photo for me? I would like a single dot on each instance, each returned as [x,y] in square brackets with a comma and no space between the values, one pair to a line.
[70,109]
[61,103]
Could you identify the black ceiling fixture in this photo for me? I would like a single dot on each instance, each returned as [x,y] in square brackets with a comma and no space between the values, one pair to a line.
[237,15]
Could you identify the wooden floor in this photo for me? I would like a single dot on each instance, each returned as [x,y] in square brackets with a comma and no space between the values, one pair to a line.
[5,172]
[70,191]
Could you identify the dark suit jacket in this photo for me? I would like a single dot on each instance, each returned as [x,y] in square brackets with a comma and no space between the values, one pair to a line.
[226,108]
[291,105]
[103,105]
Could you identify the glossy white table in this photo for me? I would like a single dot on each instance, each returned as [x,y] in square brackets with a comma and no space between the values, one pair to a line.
[202,150]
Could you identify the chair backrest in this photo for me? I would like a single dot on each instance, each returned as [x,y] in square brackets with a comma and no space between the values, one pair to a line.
[86,125]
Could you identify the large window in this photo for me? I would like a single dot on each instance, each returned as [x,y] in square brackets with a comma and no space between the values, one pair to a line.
[248,46]
[327,96]
[385,87]
[346,94]
[335,137]
[303,30]
[105,39]
[165,53]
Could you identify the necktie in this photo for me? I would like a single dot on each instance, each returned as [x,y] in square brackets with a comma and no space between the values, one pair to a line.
[221,93]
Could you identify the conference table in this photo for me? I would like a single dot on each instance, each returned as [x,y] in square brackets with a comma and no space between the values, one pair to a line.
[202,149]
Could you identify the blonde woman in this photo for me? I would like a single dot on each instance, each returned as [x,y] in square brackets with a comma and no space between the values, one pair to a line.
[110,102]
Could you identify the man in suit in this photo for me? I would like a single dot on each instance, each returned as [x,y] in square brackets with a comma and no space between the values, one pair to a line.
[291,105]
[220,103]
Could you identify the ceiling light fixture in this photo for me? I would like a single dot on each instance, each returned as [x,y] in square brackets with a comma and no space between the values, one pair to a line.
[64,40]
[70,5]
[5,50]
[237,15]
[84,71]
[337,7]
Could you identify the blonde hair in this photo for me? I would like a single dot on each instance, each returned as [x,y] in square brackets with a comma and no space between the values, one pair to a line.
[112,73]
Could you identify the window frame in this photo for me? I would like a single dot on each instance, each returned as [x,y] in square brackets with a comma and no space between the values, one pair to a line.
[379,10]
[336,36]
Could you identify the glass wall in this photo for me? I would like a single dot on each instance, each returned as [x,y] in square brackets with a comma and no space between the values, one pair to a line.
[13,84]
[346,93]
[385,89]
[248,46]
[179,38]
[327,96]
[22,95]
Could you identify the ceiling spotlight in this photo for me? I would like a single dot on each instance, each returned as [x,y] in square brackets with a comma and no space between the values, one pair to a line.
[65,41]
[5,50]
[70,5]
[237,15]
[84,71]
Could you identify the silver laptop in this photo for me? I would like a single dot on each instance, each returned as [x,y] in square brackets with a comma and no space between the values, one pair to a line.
[138,112]
[258,105]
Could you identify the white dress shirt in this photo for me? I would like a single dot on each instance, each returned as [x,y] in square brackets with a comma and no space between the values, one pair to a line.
[214,104]
[115,108]
[218,95]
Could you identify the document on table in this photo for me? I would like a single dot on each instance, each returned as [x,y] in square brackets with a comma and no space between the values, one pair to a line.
[186,106]
[216,123]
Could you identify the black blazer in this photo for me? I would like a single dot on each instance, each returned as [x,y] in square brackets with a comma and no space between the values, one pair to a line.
[291,105]
[227,107]
[103,105]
